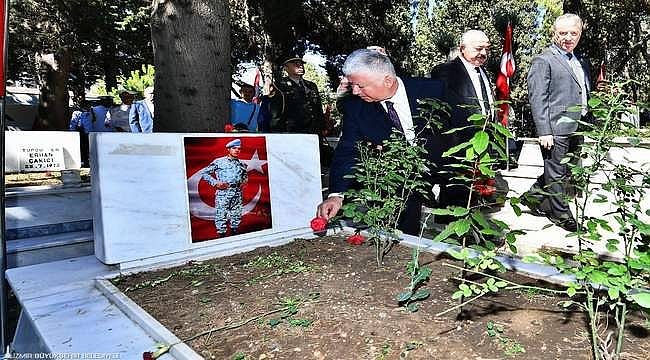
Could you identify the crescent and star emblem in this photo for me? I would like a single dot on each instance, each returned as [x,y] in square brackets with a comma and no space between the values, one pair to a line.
[203,211]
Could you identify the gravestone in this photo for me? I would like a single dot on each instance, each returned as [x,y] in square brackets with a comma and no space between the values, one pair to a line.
[37,151]
[152,202]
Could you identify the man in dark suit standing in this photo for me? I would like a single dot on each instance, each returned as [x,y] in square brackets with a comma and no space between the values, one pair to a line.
[467,91]
[557,81]
[380,102]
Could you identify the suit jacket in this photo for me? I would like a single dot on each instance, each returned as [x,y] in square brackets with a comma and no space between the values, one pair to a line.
[140,118]
[553,88]
[459,90]
[369,122]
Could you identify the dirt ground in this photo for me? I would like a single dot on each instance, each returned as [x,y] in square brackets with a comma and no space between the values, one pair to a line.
[339,305]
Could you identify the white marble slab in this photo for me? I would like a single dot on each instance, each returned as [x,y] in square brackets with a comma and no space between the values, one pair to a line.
[38,143]
[140,196]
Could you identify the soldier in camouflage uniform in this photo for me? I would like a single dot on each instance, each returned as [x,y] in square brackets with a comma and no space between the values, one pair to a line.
[296,106]
[229,176]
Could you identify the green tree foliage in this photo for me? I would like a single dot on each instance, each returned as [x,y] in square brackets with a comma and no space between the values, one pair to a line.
[451,18]
[617,33]
[72,43]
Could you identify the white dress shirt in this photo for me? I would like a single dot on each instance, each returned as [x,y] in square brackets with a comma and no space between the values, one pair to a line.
[473,75]
[401,104]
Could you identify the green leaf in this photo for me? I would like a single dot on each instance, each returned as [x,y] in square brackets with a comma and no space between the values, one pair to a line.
[571,291]
[423,274]
[594,102]
[457,295]
[412,307]
[460,211]
[403,296]
[455,254]
[613,293]
[642,298]
[480,141]
[274,322]
[456,149]
[462,227]
[420,295]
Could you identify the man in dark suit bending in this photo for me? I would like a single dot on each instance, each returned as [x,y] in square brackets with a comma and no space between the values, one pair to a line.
[380,102]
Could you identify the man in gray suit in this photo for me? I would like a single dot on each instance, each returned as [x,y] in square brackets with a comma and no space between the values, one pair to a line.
[558,82]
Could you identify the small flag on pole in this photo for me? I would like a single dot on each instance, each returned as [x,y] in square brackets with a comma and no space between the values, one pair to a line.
[507,69]
[257,87]
[601,74]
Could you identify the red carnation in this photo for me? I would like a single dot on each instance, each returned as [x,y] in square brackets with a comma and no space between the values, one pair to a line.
[147,355]
[355,239]
[228,128]
[318,223]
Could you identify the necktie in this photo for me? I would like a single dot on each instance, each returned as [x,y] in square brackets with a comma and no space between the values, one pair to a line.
[392,114]
[484,93]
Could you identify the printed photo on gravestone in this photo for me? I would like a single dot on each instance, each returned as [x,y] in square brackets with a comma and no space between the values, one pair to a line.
[47,158]
[228,186]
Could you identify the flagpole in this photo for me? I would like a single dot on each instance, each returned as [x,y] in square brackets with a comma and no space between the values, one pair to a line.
[4,336]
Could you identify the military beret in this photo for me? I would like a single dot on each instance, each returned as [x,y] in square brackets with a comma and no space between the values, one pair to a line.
[233,143]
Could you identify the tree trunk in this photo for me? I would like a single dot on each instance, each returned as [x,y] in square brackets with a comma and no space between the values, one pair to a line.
[191,43]
[53,111]
[109,64]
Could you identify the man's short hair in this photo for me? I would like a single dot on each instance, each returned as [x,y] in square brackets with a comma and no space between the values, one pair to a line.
[369,62]
[470,35]
[573,17]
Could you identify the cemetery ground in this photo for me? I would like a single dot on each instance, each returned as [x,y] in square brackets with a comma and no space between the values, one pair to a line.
[326,299]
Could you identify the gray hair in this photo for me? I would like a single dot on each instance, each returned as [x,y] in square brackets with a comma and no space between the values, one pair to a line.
[369,62]
[471,35]
[573,17]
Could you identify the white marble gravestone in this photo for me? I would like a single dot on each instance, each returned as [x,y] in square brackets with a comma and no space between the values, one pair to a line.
[31,151]
[141,208]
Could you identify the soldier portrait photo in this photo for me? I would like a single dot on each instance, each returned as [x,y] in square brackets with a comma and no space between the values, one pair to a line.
[228,186]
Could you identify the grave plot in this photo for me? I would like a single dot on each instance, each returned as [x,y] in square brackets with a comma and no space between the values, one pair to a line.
[324,298]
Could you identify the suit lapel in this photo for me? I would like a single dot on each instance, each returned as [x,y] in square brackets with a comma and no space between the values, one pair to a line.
[561,59]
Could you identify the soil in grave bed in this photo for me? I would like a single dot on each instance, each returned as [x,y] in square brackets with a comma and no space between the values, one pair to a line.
[340,305]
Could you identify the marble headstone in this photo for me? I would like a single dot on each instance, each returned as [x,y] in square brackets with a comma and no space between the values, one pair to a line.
[145,189]
[31,151]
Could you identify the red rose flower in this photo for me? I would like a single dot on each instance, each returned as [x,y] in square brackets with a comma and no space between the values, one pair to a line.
[355,239]
[147,355]
[228,128]
[485,188]
[318,223]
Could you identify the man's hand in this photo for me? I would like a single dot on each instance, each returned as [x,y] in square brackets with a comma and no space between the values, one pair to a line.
[329,207]
[546,141]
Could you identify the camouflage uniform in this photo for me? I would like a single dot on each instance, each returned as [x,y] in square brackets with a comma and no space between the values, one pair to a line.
[227,202]
[297,108]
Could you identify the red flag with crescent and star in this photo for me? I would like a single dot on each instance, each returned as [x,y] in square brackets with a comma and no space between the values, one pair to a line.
[256,214]
[506,71]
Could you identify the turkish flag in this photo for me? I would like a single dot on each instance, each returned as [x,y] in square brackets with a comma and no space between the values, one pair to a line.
[601,73]
[506,71]
[256,214]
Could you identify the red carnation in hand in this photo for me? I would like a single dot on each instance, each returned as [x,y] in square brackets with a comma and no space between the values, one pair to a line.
[355,239]
[318,223]
[228,128]
[147,355]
